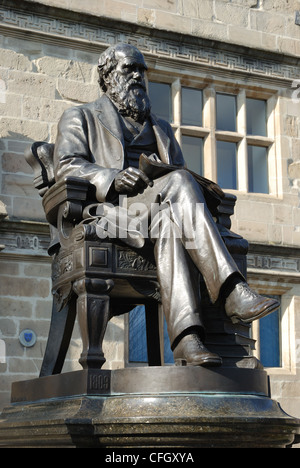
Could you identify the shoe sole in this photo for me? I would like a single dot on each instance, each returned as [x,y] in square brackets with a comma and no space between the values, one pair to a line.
[204,363]
[268,310]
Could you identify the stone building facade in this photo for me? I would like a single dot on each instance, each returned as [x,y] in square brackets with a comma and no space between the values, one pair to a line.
[248,50]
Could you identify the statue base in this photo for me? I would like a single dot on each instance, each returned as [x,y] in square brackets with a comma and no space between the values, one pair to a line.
[162,407]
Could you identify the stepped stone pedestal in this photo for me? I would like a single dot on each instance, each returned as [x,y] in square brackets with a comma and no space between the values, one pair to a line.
[147,407]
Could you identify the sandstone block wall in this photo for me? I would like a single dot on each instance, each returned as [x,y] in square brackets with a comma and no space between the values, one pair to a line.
[40,78]
[265,24]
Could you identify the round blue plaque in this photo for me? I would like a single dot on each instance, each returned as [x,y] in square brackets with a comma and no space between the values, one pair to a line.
[27,338]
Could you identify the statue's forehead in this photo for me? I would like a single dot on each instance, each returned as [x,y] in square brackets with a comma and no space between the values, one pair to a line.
[128,54]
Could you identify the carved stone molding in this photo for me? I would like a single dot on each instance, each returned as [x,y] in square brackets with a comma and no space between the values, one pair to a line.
[281,264]
[87,34]
[25,238]
[274,261]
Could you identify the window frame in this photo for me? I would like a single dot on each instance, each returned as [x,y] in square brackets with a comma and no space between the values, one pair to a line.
[270,285]
[211,135]
[163,342]
[255,333]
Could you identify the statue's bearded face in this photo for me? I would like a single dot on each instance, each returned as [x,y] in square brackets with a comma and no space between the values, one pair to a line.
[127,87]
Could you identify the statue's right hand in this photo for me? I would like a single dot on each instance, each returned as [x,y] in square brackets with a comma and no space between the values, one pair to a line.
[131,180]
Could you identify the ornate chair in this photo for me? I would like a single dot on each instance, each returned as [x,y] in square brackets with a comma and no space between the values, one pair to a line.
[97,280]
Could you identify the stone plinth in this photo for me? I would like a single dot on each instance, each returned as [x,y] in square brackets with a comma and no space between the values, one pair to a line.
[165,407]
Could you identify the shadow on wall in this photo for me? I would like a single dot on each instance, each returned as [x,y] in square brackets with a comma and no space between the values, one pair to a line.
[18,194]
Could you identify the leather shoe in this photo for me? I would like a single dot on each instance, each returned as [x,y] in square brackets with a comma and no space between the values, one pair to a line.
[190,351]
[245,305]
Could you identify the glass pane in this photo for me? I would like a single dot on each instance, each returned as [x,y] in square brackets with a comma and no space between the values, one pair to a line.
[269,339]
[226,164]
[191,106]
[192,148]
[161,102]
[137,335]
[256,117]
[226,112]
[138,338]
[258,169]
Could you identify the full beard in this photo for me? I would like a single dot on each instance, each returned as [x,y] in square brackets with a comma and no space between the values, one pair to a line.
[131,99]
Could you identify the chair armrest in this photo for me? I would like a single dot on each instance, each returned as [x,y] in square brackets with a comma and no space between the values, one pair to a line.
[72,192]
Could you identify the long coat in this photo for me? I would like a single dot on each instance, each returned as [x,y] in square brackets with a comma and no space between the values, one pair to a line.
[90,144]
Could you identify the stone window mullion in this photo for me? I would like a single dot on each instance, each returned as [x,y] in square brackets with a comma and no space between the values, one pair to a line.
[242,158]
[176,100]
[209,121]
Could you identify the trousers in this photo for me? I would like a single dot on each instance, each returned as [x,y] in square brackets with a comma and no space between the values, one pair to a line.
[186,242]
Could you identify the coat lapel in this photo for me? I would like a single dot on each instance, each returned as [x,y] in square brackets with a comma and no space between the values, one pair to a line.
[163,141]
[109,118]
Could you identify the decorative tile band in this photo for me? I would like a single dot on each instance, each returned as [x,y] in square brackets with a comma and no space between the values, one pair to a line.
[63,29]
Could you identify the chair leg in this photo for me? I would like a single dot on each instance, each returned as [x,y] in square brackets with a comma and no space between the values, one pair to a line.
[61,328]
[93,316]
[153,334]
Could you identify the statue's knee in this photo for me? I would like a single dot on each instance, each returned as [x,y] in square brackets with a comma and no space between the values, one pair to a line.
[181,177]
[183,182]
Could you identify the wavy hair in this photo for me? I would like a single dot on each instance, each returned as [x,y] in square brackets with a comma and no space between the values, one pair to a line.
[108,61]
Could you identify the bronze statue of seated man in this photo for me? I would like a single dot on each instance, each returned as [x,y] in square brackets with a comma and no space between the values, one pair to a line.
[102,142]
